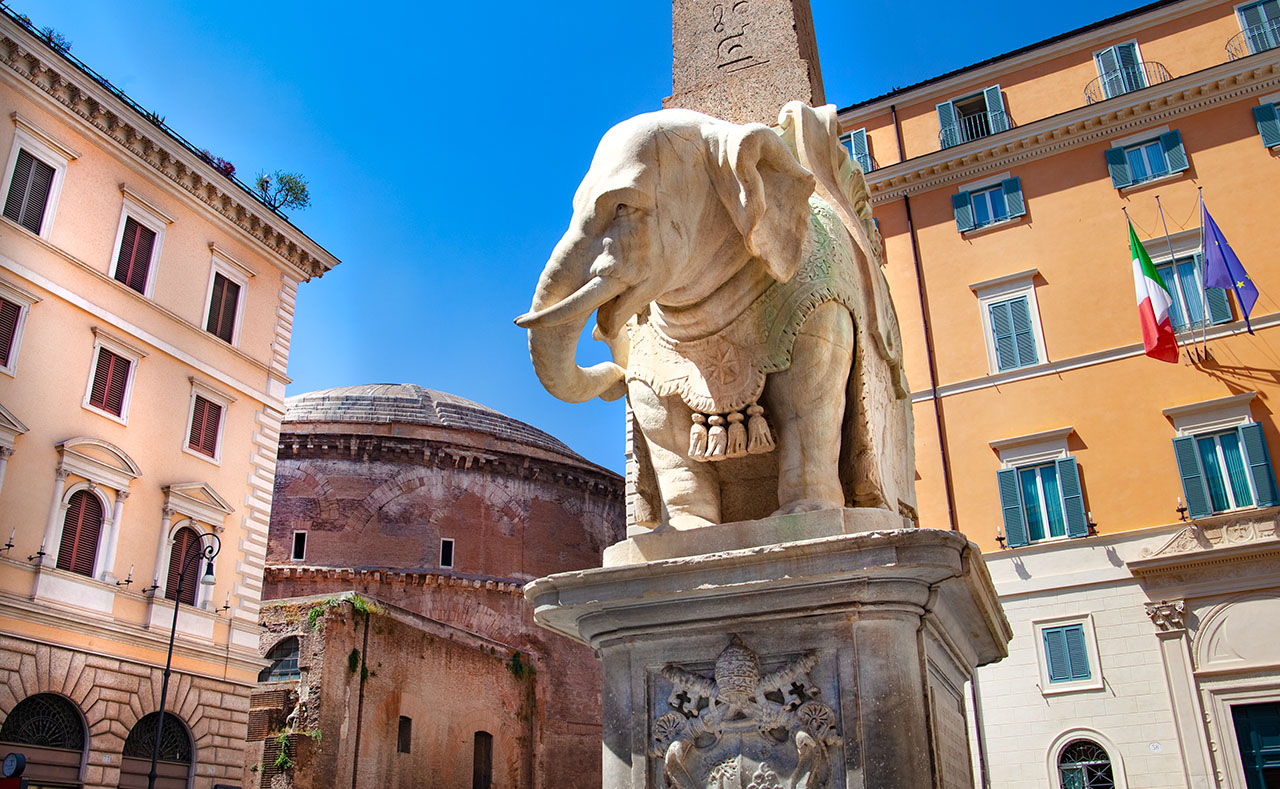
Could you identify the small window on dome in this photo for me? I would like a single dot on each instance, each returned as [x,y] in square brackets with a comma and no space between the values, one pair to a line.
[446,553]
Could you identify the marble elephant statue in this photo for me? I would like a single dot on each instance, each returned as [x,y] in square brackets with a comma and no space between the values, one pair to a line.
[734,272]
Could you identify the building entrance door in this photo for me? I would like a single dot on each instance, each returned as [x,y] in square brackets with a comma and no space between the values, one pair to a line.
[1258,732]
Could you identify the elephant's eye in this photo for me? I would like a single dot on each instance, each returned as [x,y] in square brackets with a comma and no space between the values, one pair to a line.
[625,210]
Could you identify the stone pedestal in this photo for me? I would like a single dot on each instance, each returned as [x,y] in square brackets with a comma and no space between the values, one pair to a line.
[820,655]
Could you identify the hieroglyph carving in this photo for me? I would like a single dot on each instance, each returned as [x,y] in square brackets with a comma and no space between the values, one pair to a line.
[730,21]
[1166,614]
[741,730]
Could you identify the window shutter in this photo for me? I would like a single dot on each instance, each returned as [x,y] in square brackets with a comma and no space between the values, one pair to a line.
[1175,155]
[222,308]
[1118,167]
[186,548]
[1268,124]
[1015,524]
[1072,498]
[1055,654]
[18,186]
[1259,461]
[9,314]
[1217,303]
[949,132]
[995,109]
[1131,75]
[1002,336]
[1193,487]
[29,192]
[110,379]
[134,262]
[1077,655]
[205,417]
[1023,336]
[80,527]
[963,209]
[1109,71]
[1014,205]
[858,144]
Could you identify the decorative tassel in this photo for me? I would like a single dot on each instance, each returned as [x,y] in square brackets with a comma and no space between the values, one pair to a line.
[761,440]
[737,436]
[716,439]
[698,438]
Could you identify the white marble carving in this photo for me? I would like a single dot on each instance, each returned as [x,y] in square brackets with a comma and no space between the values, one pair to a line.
[734,272]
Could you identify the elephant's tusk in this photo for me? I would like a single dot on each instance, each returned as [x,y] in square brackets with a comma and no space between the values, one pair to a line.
[591,295]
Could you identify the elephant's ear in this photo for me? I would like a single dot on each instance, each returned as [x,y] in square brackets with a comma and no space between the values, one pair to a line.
[767,194]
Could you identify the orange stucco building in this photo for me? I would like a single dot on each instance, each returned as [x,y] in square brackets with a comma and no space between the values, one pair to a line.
[146,303]
[1046,435]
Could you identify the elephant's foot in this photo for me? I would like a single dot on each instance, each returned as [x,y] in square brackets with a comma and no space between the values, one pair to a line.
[683,521]
[807,505]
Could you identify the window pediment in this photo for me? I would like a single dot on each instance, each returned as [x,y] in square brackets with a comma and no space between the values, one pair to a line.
[98,461]
[198,501]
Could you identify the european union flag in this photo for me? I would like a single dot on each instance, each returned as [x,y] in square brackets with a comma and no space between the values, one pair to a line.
[1222,269]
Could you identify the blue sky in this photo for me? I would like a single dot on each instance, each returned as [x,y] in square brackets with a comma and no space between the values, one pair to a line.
[443,142]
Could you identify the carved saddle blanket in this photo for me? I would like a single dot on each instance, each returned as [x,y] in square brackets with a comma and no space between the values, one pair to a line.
[721,376]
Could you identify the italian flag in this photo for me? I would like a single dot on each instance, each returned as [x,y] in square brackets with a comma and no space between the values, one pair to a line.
[1153,304]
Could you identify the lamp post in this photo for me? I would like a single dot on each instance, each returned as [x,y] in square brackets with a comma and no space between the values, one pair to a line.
[208,552]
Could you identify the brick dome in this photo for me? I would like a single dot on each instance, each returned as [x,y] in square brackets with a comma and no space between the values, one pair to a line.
[414,405]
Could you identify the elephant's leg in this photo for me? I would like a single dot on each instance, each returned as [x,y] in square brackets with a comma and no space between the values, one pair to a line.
[806,410]
[690,490]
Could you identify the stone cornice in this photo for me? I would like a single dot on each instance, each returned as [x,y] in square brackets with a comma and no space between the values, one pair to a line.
[1194,92]
[35,64]
[365,575]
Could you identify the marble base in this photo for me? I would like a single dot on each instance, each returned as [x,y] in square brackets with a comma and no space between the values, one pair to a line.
[836,661]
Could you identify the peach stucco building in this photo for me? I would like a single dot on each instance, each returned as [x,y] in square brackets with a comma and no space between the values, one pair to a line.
[146,305]
[1042,430]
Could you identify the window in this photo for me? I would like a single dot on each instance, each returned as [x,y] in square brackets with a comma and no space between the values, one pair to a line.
[1084,764]
[110,382]
[1120,70]
[446,553]
[1268,124]
[45,720]
[1257,728]
[972,117]
[988,205]
[299,546]
[133,263]
[1261,25]
[33,176]
[29,190]
[404,735]
[1011,333]
[1184,279]
[856,142]
[81,527]
[206,418]
[1042,502]
[284,662]
[1066,658]
[482,761]
[1147,160]
[223,302]
[14,305]
[1225,470]
[184,555]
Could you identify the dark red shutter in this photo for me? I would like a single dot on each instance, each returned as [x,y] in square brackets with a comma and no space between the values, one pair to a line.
[135,255]
[204,427]
[80,529]
[9,314]
[110,378]
[222,307]
[186,548]
[28,191]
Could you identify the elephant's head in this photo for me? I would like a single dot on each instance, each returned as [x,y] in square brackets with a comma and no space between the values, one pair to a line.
[675,203]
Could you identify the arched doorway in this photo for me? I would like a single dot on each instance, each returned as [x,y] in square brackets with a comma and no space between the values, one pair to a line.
[50,731]
[174,769]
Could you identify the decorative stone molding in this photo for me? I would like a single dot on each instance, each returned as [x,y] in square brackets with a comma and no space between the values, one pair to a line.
[347,575]
[1217,532]
[1166,614]
[83,96]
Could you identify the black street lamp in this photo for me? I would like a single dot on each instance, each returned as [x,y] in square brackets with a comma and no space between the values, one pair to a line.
[208,552]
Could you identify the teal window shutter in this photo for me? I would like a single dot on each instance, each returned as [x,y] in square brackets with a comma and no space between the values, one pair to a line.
[996,115]
[858,144]
[1268,124]
[1077,655]
[1015,524]
[1131,74]
[1001,317]
[1259,460]
[1118,166]
[1216,299]
[1024,339]
[1175,155]
[1072,498]
[1013,202]
[949,131]
[1194,490]
[1065,654]
[963,209]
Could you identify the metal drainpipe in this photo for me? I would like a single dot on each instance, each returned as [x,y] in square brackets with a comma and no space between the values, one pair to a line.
[364,661]
[928,340]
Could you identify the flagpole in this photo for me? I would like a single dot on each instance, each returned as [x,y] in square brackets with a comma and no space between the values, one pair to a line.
[1204,275]
[1169,243]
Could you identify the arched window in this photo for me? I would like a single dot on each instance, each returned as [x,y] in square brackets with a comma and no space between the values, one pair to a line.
[80,530]
[482,761]
[185,553]
[1084,764]
[174,766]
[284,662]
[49,730]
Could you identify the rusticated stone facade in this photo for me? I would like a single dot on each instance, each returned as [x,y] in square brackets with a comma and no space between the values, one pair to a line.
[378,479]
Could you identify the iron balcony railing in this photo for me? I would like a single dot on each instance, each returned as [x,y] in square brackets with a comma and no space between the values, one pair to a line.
[972,127]
[1126,79]
[1255,39]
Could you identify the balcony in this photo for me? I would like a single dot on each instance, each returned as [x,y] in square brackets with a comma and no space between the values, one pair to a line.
[1254,39]
[1126,79]
[974,126]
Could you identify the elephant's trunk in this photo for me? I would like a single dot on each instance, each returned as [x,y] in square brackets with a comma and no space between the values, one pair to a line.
[556,320]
